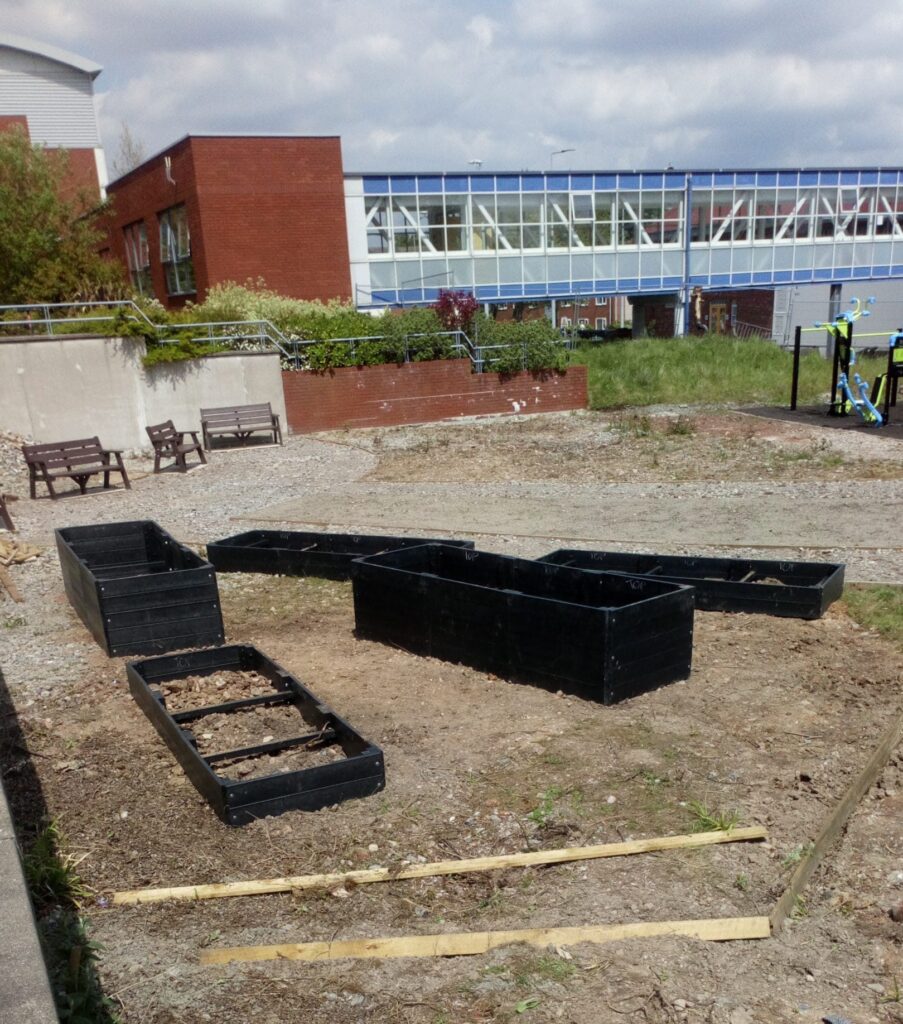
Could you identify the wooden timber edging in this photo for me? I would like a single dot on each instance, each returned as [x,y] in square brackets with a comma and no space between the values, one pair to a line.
[447,867]
[722,929]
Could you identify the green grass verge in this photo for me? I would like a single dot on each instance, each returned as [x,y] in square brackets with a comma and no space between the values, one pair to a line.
[651,371]
[878,607]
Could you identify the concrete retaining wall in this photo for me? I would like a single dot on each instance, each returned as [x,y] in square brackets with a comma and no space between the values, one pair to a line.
[57,389]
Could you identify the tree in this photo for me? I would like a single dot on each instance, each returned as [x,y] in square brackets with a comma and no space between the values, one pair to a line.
[131,152]
[48,244]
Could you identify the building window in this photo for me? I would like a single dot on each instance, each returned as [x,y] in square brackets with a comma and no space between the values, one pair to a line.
[175,251]
[601,323]
[137,256]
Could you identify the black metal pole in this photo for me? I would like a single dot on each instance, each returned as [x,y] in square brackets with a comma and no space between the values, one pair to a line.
[833,409]
[889,378]
[795,380]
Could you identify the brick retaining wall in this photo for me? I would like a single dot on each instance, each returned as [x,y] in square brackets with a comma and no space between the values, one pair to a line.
[389,395]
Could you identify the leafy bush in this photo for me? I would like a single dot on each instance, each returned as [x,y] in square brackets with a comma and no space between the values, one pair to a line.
[296,318]
[534,345]
[187,347]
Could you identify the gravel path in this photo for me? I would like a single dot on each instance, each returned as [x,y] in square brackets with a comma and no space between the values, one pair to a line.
[195,507]
[320,483]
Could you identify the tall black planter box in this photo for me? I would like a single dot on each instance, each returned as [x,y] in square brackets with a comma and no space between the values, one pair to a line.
[800,590]
[138,590]
[292,553]
[359,773]
[603,636]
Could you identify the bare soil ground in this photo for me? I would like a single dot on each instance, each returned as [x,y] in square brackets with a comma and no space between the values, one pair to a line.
[775,720]
[671,446]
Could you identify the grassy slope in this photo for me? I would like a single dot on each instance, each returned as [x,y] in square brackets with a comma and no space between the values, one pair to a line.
[878,607]
[695,370]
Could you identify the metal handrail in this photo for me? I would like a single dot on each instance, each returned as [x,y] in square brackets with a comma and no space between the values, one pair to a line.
[239,330]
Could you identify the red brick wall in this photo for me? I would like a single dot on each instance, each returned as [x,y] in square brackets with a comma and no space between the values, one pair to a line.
[257,207]
[141,195]
[275,208]
[81,173]
[81,178]
[754,306]
[382,396]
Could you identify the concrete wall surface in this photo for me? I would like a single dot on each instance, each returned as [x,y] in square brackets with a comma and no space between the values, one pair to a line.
[61,389]
[178,391]
[25,996]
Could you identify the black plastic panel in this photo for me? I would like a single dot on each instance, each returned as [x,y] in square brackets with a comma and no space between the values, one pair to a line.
[801,590]
[605,636]
[138,590]
[290,553]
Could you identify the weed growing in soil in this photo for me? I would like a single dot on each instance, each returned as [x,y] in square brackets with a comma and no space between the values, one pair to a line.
[540,815]
[895,995]
[877,607]
[58,892]
[711,820]
[681,427]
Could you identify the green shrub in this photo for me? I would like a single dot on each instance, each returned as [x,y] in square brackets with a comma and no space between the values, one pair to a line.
[187,347]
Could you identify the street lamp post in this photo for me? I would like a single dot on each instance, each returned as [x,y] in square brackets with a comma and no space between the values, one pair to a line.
[558,152]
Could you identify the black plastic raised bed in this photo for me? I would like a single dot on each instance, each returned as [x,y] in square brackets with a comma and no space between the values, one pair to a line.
[605,636]
[359,770]
[800,590]
[138,590]
[290,553]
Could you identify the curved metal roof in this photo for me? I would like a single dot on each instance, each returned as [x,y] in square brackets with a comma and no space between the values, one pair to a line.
[53,53]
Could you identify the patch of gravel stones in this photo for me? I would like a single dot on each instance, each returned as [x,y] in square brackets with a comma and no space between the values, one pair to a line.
[196,507]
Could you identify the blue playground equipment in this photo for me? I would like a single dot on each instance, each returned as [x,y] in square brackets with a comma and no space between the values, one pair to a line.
[863,407]
[871,404]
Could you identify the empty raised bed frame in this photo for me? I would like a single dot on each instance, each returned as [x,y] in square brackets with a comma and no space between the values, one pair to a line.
[290,553]
[800,590]
[603,636]
[138,590]
[359,772]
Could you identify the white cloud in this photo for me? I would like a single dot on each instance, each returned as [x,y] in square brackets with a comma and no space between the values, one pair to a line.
[437,83]
[482,29]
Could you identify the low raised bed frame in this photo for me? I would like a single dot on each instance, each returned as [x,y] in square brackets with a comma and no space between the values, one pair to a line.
[803,590]
[238,802]
[604,636]
[294,553]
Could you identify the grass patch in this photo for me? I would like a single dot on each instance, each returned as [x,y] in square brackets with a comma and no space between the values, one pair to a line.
[706,820]
[649,371]
[58,892]
[878,607]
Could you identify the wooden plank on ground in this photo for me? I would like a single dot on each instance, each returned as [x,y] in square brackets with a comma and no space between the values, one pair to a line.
[471,943]
[447,867]
[836,822]
[7,581]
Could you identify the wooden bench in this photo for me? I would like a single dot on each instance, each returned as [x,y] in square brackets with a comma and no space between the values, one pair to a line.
[77,460]
[240,421]
[170,443]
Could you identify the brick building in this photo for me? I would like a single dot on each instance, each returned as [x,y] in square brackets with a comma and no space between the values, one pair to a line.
[50,93]
[210,209]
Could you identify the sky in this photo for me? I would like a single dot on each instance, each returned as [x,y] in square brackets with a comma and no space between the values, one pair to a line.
[436,84]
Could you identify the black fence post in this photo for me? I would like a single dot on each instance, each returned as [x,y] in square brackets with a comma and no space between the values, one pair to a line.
[795,380]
